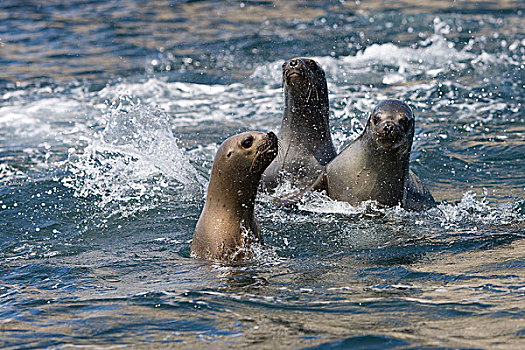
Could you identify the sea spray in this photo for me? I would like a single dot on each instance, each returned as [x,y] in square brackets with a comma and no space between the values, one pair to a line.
[134,163]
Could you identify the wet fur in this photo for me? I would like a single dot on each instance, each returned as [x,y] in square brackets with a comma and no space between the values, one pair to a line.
[305,140]
[227,226]
[370,170]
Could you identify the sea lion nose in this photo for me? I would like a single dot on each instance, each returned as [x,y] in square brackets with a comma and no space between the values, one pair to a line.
[389,126]
[272,137]
[294,63]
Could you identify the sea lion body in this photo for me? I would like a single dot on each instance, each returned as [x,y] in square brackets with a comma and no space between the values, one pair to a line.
[305,141]
[227,225]
[375,166]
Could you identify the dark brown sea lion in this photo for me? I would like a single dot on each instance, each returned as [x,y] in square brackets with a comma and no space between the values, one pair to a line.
[375,166]
[227,225]
[305,141]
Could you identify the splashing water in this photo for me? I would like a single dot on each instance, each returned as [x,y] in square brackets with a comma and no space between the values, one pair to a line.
[134,162]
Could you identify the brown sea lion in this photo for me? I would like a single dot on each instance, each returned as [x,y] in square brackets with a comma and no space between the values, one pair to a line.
[375,166]
[227,225]
[305,141]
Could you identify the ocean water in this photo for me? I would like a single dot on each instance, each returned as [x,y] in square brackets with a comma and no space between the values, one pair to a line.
[111,113]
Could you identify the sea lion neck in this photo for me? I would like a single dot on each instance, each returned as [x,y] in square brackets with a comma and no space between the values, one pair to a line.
[310,101]
[238,195]
[389,168]
[305,116]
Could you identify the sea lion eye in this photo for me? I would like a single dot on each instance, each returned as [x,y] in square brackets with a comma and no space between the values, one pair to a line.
[376,118]
[248,142]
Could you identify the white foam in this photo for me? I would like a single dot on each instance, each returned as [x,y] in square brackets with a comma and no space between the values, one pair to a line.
[191,103]
[473,210]
[8,173]
[468,210]
[134,160]
[37,119]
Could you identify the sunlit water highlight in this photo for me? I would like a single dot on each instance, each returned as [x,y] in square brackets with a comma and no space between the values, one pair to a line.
[105,158]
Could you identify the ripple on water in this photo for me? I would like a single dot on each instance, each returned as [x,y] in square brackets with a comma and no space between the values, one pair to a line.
[102,177]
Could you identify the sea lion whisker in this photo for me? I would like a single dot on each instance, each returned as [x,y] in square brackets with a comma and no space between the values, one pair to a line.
[254,159]
[285,155]
[316,92]
[312,84]
[280,156]
[309,93]
[280,146]
[258,153]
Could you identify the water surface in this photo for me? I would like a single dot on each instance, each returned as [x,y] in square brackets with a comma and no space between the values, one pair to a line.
[111,114]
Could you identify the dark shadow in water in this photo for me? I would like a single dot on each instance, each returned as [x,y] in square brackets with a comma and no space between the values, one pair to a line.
[362,342]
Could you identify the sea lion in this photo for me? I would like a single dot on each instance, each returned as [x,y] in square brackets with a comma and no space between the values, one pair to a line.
[305,141]
[375,165]
[227,225]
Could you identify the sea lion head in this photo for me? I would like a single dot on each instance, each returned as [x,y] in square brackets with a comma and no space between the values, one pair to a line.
[391,125]
[244,157]
[305,78]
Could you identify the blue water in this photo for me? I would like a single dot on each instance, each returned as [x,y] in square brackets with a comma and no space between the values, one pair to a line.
[111,114]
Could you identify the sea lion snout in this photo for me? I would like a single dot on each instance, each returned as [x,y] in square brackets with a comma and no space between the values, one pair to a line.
[272,143]
[388,133]
[269,147]
[293,69]
[300,69]
[388,127]
[272,138]
[266,152]
[294,63]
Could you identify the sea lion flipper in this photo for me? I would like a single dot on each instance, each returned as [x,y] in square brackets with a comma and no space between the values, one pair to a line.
[320,184]
[417,197]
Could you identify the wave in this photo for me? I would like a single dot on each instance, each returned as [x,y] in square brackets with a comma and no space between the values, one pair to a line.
[134,163]
[470,210]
